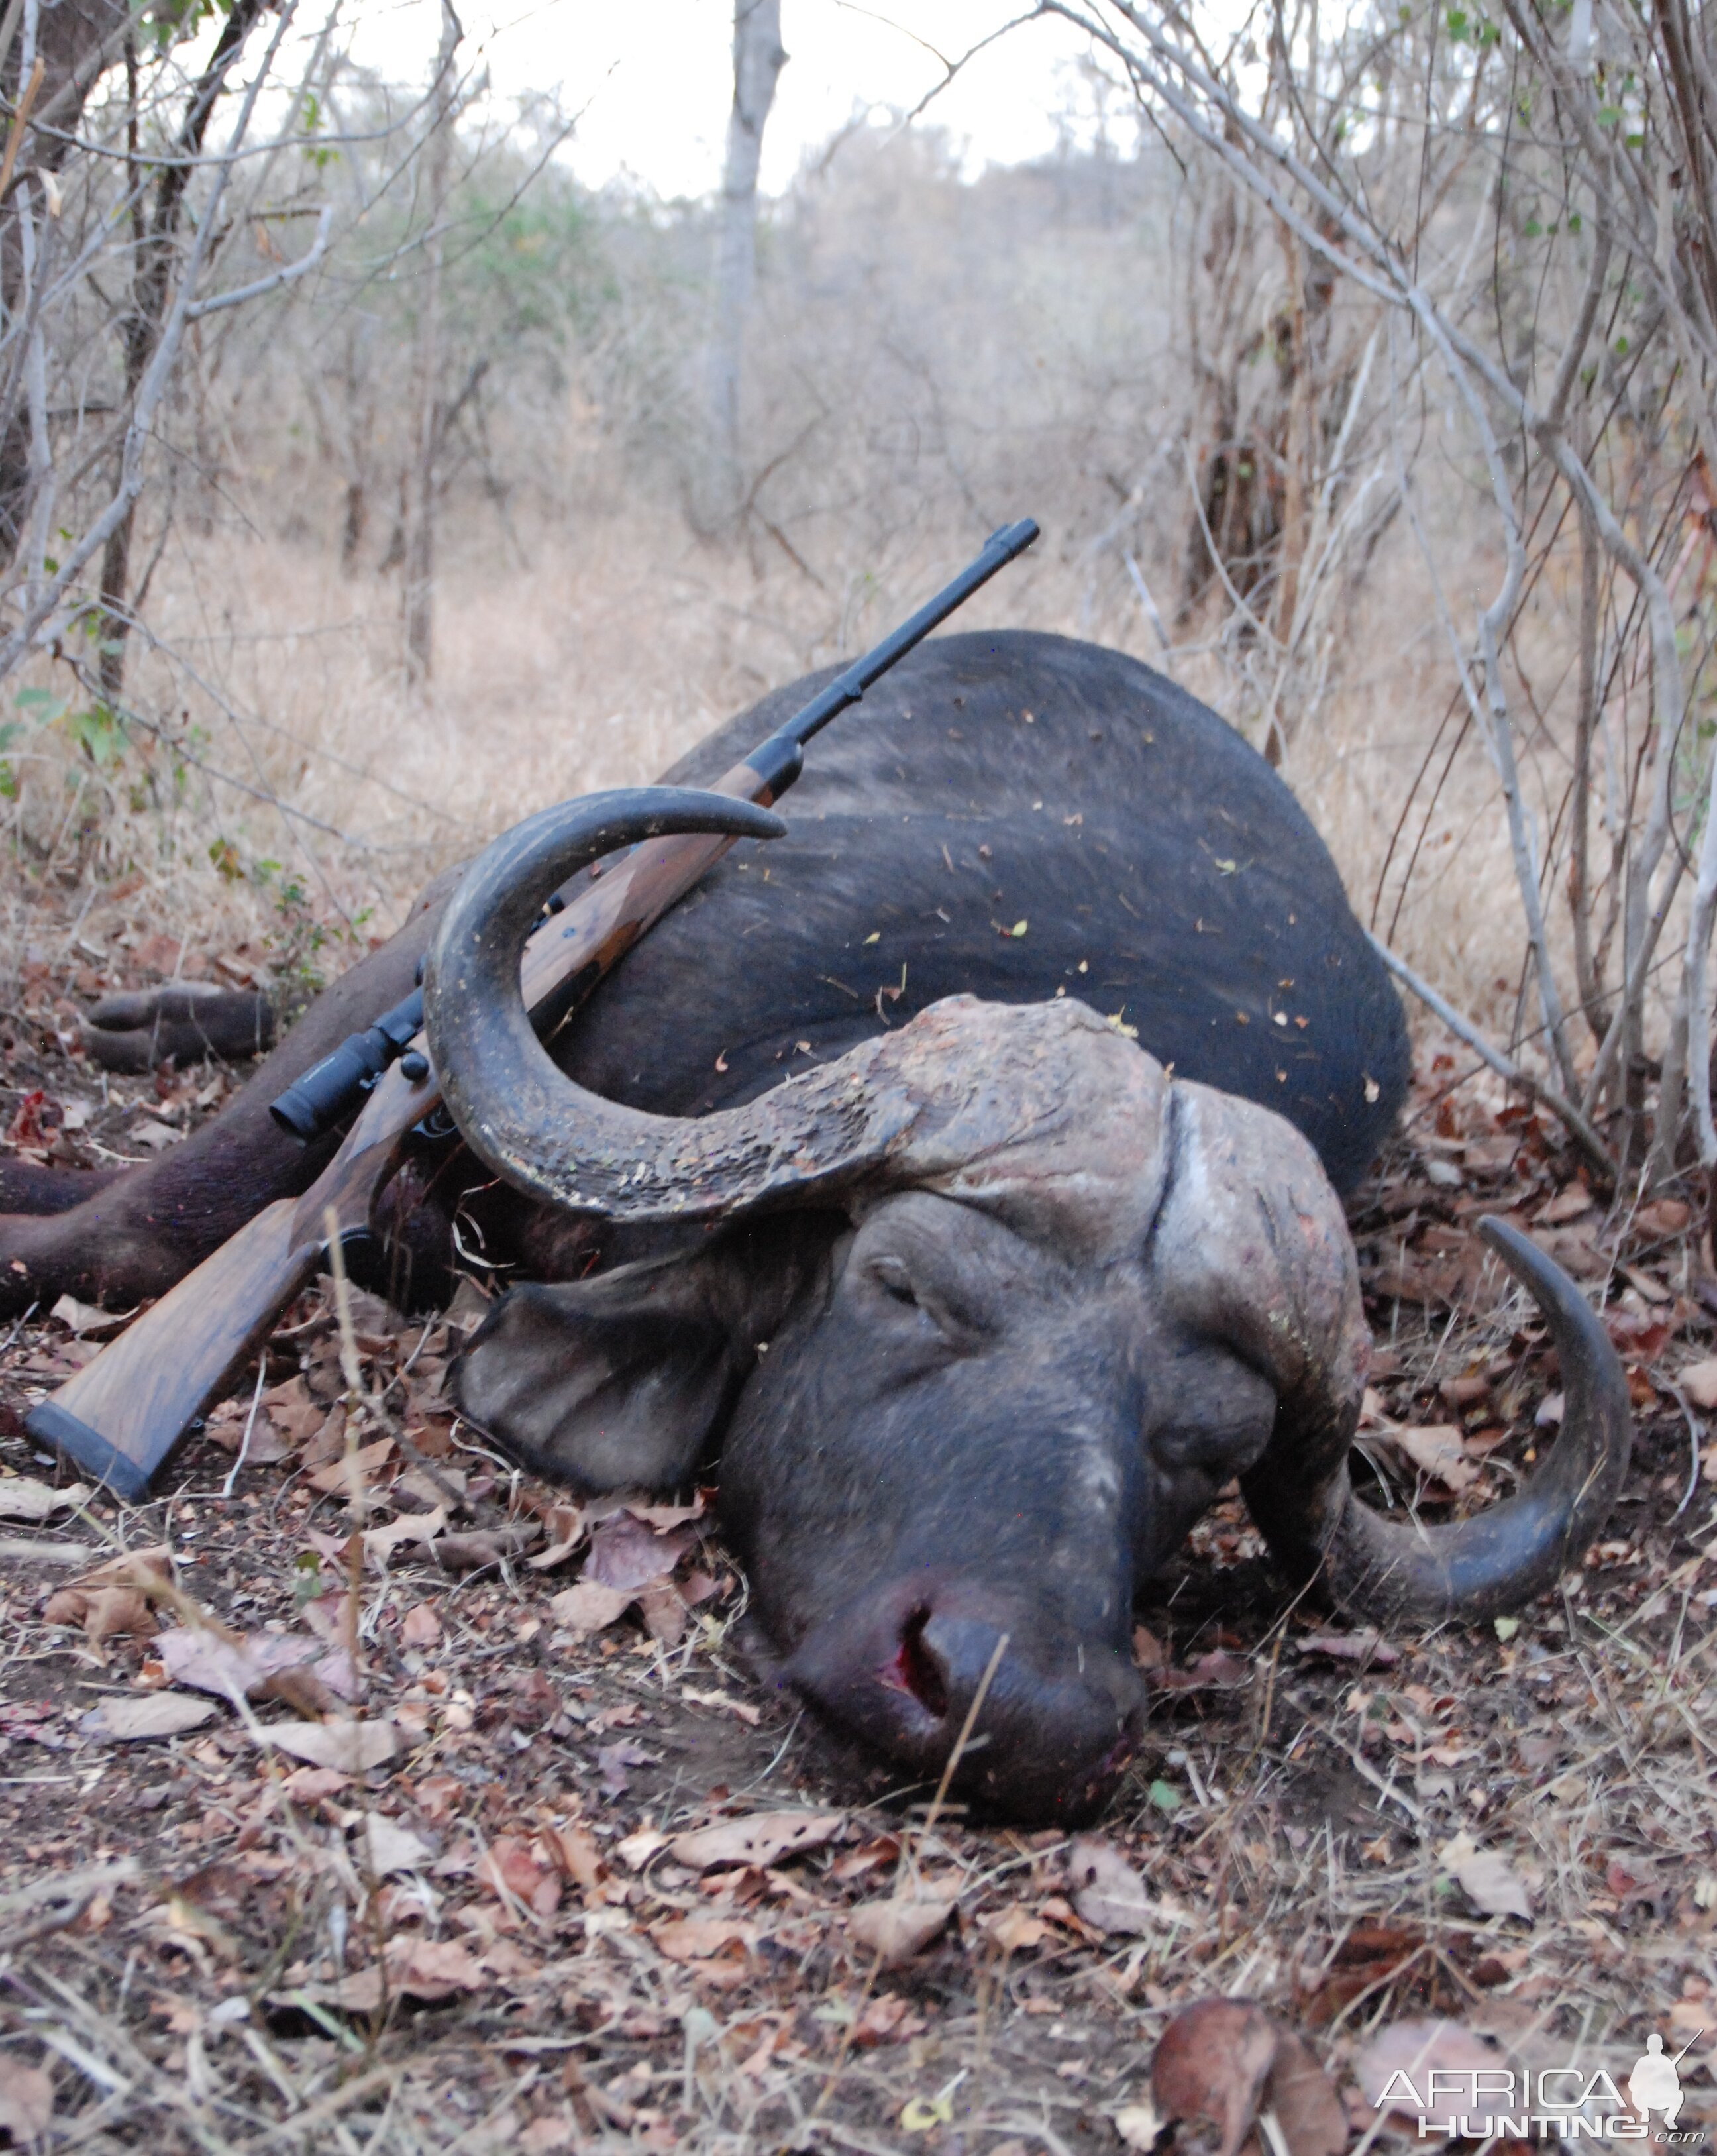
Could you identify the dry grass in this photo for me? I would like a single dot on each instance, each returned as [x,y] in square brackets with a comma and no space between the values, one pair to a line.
[594,659]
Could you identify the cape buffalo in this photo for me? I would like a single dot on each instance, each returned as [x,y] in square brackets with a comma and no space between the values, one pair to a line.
[983,1308]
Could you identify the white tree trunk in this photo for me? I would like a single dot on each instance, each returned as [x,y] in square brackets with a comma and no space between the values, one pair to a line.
[420,486]
[757,62]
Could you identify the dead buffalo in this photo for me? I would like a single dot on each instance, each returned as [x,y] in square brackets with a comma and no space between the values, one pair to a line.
[983,1308]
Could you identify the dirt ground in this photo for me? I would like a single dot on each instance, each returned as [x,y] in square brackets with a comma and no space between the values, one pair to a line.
[603,1887]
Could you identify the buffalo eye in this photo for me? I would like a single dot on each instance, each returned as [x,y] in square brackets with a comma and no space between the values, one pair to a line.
[891,1277]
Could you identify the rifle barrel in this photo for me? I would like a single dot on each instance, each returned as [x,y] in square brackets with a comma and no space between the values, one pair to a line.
[780,758]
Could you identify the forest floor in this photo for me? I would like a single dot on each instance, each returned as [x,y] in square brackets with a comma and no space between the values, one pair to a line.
[533,1862]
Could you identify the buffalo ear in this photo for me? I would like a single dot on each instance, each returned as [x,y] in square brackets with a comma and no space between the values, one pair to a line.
[625,1381]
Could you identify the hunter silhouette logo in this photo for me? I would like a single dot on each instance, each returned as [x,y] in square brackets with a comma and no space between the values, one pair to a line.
[1655,2084]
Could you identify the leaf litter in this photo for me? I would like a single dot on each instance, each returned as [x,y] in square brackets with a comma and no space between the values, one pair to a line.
[534,1859]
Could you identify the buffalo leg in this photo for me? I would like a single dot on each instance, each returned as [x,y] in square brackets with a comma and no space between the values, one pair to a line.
[26,1188]
[141,1230]
[179,1024]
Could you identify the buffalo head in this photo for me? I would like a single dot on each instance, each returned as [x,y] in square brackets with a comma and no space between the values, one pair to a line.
[981,1317]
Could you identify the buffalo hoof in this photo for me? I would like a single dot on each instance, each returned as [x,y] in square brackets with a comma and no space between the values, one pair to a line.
[1058,1723]
[179,1024]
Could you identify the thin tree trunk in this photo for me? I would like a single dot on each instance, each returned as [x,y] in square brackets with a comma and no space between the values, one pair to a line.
[757,62]
[1593,1001]
[151,290]
[420,494]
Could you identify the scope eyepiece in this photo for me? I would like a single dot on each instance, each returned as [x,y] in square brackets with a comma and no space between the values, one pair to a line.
[330,1090]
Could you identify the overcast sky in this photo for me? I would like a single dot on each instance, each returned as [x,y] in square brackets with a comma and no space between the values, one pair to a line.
[656,74]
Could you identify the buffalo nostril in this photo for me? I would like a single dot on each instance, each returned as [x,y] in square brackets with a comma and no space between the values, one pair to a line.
[915,1669]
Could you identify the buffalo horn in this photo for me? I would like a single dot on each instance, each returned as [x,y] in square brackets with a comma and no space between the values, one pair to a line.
[550,1137]
[1391,1569]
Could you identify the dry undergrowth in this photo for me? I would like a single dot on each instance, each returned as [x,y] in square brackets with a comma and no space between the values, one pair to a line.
[225,1937]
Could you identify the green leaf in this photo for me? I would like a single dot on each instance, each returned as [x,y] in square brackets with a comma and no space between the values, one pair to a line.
[98,732]
[1532,228]
[1167,1798]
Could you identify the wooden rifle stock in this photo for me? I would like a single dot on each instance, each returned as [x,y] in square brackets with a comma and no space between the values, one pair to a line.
[121,1415]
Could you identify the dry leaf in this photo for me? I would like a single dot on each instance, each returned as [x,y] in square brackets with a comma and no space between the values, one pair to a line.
[743,1708]
[157,1714]
[576,1853]
[627,1552]
[1363,1645]
[468,1308]
[1486,1878]
[23,1497]
[310,1785]
[664,1517]
[588,1607]
[1015,1932]
[422,1627]
[87,1320]
[614,1759]
[895,1931]
[417,1968]
[1699,1381]
[388,1847]
[1211,2064]
[510,1866]
[336,1479]
[102,1611]
[1566,1205]
[329,1616]
[431,1967]
[763,1839]
[291,1409]
[483,1547]
[1417,2048]
[1107,1892]
[695,1939]
[564,1525]
[266,1447]
[409,1527]
[352,1747]
[147,1570]
[25,2101]
[208,1663]
[886,2019]
[1435,1449]
[1303,2097]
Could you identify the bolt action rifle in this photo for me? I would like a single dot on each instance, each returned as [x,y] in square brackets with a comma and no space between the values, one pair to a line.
[123,1412]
